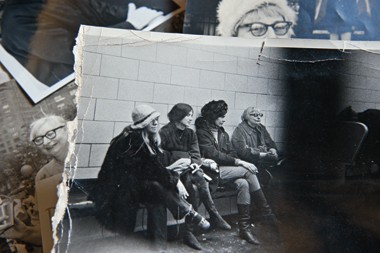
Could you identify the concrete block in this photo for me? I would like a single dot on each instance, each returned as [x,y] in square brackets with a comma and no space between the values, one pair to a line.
[96,132]
[197,97]
[133,90]
[262,102]
[104,46]
[169,53]
[233,117]
[185,76]
[86,172]
[119,126]
[374,96]
[91,63]
[99,87]
[212,79]
[227,96]
[257,85]
[168,93]
[269,70]
[144,52]
[154,72]
[225,63]
[81,155]
[118,67]
[236,82]
[238,51]
[113,110]
[254,53]
[86,108]
[277,87]
[276,103]
[98,152]
[247,67]
[243,100]
[274,119]
[200,59]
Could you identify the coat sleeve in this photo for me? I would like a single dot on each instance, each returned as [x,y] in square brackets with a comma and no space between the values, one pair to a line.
[268,140]
[209,149]
[194,151]
[244,152]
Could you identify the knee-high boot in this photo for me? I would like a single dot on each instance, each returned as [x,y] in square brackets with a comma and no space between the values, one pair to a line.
[244,225]
[189,238]
[266,213]
[215,218]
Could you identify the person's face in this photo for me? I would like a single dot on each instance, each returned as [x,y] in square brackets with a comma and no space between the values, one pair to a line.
[54,139]
[257,25]
[152,127]
[186,121]
[254,117]
[220,121]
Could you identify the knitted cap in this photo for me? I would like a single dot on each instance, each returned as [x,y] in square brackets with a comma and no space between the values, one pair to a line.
[142,115]
[179,111]
[230,13]
[214,109]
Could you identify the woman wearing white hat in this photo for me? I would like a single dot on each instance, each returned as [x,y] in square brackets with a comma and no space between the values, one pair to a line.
[132,173]
[256,18]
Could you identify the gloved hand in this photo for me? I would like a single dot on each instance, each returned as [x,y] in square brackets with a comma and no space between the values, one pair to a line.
[142,16]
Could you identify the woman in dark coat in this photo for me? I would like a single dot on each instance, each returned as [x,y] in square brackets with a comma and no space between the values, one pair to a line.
[252,140]
[214,143]
[132,173]
[181,142]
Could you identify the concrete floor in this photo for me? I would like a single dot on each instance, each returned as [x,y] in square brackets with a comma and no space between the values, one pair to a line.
[315,217]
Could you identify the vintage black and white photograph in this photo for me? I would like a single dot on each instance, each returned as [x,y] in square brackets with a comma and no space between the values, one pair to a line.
[308,19]
[37,36]
[189,143]
[33,148]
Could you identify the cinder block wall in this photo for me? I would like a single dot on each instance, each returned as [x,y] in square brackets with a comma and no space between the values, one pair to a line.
[119,73]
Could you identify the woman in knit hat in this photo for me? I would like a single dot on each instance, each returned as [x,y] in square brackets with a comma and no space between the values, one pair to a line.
[256,18]
[132,173]
[214,143]
[181,142]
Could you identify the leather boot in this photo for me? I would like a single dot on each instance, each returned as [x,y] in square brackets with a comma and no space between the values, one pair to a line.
[244,225]
[215,218]
[266,213]
[195,218]
[189,238]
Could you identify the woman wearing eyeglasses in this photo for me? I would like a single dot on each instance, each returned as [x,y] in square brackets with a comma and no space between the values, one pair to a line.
[49,134]
[252,140]
[214,143]
[256,18]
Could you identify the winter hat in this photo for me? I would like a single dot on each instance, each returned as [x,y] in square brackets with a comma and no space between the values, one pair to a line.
[179,111]
[231,12]
[214,109]
[142,115]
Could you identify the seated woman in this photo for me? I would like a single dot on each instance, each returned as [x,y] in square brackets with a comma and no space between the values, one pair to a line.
[251,139]
[132,173]
[256,18]
[181,142]
[214,144]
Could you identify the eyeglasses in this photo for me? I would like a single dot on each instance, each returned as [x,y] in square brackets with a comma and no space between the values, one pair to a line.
[256,114]
[259,29]
[39,140]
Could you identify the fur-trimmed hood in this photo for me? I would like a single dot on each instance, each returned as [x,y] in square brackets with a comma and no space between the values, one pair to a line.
[230,12]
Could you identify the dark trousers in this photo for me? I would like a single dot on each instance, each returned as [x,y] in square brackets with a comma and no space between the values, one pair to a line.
[157,198]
